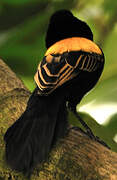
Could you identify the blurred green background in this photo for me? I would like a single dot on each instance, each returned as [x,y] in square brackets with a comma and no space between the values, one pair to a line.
[23,25]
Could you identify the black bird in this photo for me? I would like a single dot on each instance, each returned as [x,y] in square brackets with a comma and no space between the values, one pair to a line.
[70,68]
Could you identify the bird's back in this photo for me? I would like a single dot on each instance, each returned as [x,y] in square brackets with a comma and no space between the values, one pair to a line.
[71,66]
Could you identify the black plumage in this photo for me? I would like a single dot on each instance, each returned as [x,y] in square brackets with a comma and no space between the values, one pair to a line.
[70,68]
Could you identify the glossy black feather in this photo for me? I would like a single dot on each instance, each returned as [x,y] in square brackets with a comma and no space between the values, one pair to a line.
[63,25]
[62,78]
[30,138]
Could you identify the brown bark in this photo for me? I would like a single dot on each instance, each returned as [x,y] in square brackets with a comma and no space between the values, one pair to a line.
[75,157]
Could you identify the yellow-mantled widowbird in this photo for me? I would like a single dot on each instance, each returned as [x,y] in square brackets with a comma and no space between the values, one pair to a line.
[70,68]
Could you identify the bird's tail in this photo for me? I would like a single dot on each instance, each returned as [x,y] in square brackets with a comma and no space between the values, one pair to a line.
[30,138]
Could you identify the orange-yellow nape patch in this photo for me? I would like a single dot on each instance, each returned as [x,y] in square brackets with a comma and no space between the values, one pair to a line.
[74,44]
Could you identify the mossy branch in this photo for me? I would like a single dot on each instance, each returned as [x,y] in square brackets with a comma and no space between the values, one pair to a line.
[76,157]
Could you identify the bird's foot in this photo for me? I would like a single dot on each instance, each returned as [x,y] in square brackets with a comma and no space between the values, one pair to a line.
[101,142]
[90,134]
[88,131]
[96,138]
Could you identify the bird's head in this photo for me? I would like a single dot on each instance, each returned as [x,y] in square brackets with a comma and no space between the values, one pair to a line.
[64,25]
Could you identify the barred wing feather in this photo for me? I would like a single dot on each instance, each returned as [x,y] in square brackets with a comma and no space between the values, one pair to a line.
[56,69]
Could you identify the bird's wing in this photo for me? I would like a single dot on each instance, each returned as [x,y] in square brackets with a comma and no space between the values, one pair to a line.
[56,69]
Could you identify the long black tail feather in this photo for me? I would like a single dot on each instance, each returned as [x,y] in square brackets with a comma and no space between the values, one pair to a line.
[61,123]
[30,138]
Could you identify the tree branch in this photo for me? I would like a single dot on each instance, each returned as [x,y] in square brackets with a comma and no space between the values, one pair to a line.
[75,157]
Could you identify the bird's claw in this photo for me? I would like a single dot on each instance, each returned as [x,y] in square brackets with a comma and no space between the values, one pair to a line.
[90,134]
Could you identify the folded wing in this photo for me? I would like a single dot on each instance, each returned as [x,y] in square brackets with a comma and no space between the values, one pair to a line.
[56,69]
